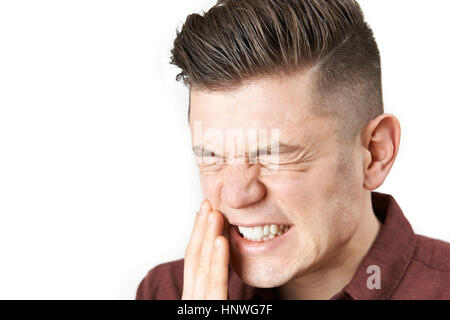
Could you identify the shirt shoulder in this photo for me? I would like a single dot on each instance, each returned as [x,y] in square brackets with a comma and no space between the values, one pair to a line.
[428,274]
[163,282]
[433,253]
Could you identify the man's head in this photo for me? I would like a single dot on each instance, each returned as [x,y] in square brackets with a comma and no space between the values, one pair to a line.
[310,69]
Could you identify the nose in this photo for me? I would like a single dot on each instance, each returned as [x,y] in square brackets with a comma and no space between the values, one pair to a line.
[241,187]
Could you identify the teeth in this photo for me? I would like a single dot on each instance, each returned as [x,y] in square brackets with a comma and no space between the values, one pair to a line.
[273,229]
[263,233]
[258,232]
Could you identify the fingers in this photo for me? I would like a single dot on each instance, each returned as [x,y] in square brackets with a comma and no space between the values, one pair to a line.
[206,257]
[213,229]
[193,249]
[218,274]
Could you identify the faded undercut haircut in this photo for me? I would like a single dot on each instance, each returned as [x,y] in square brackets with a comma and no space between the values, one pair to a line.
[241,40]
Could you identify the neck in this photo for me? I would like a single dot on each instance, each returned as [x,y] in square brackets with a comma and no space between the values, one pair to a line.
[325,282]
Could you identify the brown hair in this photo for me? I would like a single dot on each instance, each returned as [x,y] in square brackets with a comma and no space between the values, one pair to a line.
[239,40]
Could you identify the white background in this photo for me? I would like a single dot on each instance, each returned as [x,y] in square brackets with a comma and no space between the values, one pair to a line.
[97,180]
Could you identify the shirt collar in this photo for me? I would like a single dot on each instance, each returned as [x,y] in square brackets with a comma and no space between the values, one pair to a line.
[391,251]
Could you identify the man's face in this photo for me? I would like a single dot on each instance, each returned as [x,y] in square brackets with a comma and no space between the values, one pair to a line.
[315,190]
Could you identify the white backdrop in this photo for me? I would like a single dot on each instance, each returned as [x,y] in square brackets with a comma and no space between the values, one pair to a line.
[97,180]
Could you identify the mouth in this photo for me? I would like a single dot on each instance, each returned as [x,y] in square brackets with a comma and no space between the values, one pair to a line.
[263,233]
[261,239]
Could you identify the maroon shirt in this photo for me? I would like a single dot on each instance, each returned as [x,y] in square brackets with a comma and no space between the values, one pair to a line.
[411,266]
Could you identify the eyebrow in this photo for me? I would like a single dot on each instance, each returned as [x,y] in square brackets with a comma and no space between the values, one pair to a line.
[283,148]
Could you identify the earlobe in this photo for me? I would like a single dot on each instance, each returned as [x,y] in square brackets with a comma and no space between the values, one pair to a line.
[381,141]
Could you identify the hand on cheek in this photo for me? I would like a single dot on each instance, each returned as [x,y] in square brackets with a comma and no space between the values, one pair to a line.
[206,258]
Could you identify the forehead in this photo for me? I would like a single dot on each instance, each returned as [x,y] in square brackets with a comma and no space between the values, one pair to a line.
[282,102]
[274,100]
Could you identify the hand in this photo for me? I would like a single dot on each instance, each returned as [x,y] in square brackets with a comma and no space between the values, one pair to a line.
[206,258]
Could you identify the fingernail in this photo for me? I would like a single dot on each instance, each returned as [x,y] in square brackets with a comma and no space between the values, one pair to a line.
[217,242]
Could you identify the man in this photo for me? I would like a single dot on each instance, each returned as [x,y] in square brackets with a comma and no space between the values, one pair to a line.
[306,223]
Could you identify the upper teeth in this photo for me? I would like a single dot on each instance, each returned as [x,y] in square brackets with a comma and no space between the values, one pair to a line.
[265,232]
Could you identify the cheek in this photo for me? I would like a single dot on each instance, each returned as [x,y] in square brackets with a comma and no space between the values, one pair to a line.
[211,186]
[315,200]
[300,194]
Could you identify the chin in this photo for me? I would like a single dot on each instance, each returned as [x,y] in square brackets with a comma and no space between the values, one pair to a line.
[263,274]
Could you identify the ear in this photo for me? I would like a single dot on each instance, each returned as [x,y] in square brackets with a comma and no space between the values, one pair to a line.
[381,141]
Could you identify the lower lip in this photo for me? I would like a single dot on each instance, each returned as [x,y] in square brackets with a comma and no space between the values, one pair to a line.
[252,247]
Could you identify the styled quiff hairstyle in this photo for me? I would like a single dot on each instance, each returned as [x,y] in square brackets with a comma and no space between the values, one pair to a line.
[242,40]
